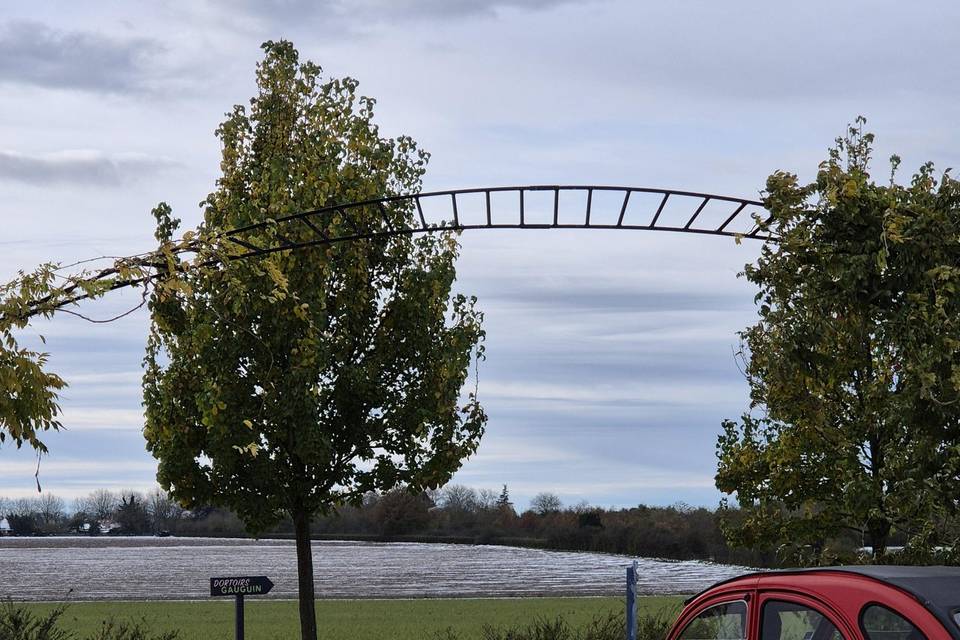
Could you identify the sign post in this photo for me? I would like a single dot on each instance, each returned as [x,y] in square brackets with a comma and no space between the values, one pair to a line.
[239,621]
[239,587]
[631,616]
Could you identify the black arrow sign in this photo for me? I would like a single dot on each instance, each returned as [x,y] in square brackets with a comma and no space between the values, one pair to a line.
[240,586]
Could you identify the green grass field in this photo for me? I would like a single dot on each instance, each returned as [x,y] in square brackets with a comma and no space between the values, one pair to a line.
[344,619]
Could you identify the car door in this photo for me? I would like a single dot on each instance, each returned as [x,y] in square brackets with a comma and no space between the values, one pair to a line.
[790,616]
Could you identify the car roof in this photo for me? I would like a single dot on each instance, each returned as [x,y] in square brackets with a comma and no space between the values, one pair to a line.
[936,587]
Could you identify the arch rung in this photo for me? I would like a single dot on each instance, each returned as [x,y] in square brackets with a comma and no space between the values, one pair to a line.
[656,216]
[623,207]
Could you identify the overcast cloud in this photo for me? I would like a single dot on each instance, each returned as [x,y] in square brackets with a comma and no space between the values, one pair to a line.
[610,354]
[37,54]
[80,168]
[359,12]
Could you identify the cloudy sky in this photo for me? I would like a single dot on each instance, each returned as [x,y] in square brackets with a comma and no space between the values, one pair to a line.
[610,359]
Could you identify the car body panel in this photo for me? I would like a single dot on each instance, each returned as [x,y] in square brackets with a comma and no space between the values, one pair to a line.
[839,595]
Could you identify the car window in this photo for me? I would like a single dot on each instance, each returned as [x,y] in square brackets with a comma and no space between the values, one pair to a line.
[792,621]
[727,621]
[881,623]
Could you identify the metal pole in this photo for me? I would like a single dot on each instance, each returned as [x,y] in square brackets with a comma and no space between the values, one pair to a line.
[632,601]
[239,616]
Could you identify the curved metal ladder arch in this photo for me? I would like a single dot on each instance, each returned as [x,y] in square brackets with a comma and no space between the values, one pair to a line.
[315,221]
[745,218]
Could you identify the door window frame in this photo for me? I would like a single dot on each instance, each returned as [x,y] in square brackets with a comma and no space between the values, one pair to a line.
[726,599]
[874,603]
[803,600]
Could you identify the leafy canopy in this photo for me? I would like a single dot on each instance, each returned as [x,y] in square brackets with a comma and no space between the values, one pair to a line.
[28,390]
[853,364]
[297,381]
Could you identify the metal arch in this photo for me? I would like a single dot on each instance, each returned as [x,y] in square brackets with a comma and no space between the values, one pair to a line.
[744,219]
[317,220]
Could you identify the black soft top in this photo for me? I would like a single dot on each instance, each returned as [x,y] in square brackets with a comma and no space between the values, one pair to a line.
[937,588]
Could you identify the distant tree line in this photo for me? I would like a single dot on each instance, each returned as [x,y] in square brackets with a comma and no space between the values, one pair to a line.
[100,512]
[455,513]
[463,514]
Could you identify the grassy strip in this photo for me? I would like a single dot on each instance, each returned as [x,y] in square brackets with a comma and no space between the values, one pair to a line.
[345,619]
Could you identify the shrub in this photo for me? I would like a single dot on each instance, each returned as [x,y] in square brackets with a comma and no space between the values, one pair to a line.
[650,626]
[114,630]
[656,625]
[17,622]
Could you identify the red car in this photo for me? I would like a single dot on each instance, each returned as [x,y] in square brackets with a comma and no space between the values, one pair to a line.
[836,603]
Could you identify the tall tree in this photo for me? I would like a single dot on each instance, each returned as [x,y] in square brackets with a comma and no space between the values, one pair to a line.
[458,497]
[132,515]
[854,363]
[163,510]
[545,503]
[399,512]
[51,510]
[504,500]
[101,504]
[298,381]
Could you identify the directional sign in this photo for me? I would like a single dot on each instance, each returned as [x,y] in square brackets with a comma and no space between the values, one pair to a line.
[241,586]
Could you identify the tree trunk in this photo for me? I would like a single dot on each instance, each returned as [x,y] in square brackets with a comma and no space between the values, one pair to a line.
[879,531]
[308,616]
